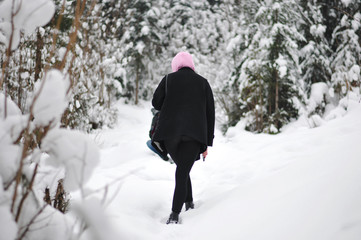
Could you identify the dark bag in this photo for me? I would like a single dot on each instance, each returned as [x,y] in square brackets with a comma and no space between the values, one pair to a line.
[155,121]
[158,146]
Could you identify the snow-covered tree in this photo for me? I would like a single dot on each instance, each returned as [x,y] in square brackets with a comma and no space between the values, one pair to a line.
[36,155]
[346,41]
[315,52]
[315,58]
[75,45]
[93,71]
[269,74]
[141,45]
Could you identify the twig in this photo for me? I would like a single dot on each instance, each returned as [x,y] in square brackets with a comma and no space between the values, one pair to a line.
[55,35]
[9,184]
[28,190]
[26,143]
[20,169]
[73,36]
[22,235]
[4,74]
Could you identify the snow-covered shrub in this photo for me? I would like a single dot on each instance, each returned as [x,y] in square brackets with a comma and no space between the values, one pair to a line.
[318,99]
[25,17]
[8,227]
[82,52]
[35,153]
[50,100]
[23,151]
[73,151]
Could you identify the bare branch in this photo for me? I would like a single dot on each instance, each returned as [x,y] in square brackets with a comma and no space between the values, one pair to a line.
[28,190]
[79,9]
[22,235]
[55,35]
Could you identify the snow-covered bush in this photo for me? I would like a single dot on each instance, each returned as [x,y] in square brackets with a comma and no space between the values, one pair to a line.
[22,16]
[320,99]
[36,155]
[76,46]
[33,143]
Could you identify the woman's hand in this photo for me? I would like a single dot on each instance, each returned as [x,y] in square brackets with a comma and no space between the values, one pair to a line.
[205,153]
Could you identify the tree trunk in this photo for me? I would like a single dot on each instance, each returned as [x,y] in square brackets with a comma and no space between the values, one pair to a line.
[276,100]
[261,106]
[20,87]
[39,47]
[102,85]
[137,85]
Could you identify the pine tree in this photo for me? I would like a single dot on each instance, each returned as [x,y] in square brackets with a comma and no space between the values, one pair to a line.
[347,56]
[85,57]
[140,46]
[92,72]
[268,77]
[315,51]
[315,56]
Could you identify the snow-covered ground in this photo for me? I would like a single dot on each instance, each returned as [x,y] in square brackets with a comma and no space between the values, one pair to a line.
[301,184]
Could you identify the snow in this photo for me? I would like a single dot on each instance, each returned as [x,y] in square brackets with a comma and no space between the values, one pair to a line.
[145,30]
[356,22]
[319,91]
[9,155]
[346,2]
[318,30]
[140,47]
[51,223]
[300,184]
[12,108]
[8,226]
[10,128]
[93,213]
[282,64]
[74,151]
[30,14]
[233,43]
[50,95]
[354,73]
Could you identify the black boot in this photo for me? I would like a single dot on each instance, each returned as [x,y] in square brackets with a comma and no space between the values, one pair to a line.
[173,218]
[189,205]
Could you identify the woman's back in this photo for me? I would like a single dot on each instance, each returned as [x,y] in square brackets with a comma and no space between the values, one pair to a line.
[187,108]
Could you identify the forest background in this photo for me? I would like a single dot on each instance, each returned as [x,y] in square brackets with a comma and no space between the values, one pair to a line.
[264,59]
[65,63]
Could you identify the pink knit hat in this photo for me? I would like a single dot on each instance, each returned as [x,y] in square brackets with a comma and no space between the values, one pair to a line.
[182,59]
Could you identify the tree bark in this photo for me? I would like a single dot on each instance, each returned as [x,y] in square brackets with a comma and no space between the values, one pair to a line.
[39,47]
[276,100]
[137,85]
[261,105]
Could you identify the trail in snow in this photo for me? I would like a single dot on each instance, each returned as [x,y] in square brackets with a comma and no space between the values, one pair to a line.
[301,184]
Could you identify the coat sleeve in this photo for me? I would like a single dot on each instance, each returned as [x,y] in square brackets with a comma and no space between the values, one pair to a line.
[159,95]
[210,115]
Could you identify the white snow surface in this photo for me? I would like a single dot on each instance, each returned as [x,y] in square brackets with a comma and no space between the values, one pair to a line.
[300,184]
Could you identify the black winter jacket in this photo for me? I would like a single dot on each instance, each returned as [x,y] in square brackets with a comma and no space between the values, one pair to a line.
[187,107]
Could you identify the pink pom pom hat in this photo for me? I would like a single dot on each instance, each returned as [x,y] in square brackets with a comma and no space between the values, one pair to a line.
[182,59]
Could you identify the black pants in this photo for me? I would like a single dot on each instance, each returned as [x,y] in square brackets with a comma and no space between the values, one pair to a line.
[184,151]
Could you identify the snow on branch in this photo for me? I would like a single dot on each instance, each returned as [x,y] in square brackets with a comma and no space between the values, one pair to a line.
[23,15]
[75,152]
[50,98]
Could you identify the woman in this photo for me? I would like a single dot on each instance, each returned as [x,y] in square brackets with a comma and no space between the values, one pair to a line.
[186,124]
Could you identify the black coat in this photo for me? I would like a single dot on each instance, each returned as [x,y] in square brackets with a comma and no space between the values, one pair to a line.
[187,107]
